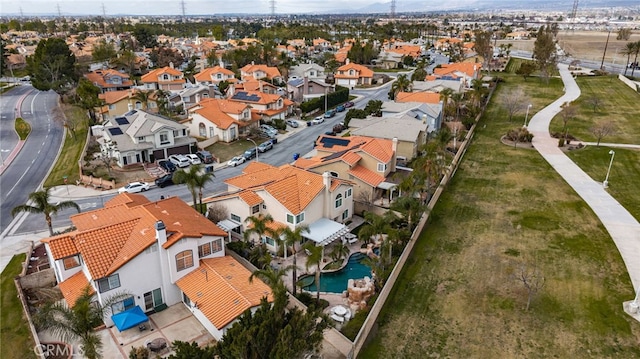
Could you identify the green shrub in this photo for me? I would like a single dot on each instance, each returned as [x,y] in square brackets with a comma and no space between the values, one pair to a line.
[23,128]
[352,327]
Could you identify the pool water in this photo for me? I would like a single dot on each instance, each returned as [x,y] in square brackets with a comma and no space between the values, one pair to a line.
[336,282]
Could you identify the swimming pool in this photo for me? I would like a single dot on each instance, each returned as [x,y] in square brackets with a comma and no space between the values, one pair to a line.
[336,282]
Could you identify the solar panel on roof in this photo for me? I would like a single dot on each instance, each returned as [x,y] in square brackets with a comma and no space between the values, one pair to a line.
[122,121]
[132,112]
[329,142]
[115,131]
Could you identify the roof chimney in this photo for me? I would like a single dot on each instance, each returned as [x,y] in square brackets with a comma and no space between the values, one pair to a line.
[326,180]
[394,154]
[346,62]
[161,232]
[171,64]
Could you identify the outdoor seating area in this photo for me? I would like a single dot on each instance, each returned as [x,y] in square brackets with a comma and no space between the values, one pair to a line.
[340,313]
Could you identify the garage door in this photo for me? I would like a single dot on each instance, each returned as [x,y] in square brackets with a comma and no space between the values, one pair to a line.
[158,155]
[182,150]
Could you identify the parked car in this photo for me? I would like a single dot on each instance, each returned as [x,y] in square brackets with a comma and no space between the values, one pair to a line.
[318,120]
[167,165]
[340,108]
[293,123]
[348,104]
[250,153]
[237,160]
[268,129]
[193,158]
[337,128]
[134,187]
[205,156]
[180,160]
[265,146]
[329,113]
[166,180]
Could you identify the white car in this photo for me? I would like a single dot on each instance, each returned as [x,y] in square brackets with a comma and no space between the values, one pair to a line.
[194,159]
[318,120]
[134,187]
[237,160]
[180,160]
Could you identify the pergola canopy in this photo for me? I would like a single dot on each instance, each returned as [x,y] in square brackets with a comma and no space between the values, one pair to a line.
[325,231]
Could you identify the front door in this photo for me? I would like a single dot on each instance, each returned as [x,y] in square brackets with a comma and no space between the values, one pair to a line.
[152,299]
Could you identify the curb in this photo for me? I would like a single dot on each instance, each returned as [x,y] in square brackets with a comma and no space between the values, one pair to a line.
[16,150]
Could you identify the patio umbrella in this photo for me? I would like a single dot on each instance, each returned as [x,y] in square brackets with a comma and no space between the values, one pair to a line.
[129,318]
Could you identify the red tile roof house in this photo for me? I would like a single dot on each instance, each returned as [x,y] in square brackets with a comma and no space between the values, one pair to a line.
[166,78]
[264,106]
[293,197]
[214,75]
[161,253]
[463,71]
[109,80]
[220,120]
[351,75]
[259,72]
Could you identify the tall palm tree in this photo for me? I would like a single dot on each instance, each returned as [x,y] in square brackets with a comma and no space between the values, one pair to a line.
[272,277]
[77,322]
[375,226]
[628,50]
[258,225]
[315,258]
[401,84]
[445,95]
[40,200]
[144,97]
[195,181]
[339,251]
[636,52]
[457,99]
[291,237]
[162,100]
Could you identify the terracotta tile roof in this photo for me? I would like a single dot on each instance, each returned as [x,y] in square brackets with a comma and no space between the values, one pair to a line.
[351,158]
[361,71]
[379,148]
[74,286]
[207,74]
[422,96]
[217,111]
[468,68]
[153,76]
[263,98]
[250,198]
[129,199]
[256,166]
[271,72]
[307,163]
[221,290]
[100,78]
[251,84]
[369,177]
[62,245]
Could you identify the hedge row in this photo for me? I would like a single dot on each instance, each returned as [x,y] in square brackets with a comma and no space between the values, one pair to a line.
[339,96]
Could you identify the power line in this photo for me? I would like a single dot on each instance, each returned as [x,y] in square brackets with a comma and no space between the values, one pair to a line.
[574,10]
[272,5]
[393,8]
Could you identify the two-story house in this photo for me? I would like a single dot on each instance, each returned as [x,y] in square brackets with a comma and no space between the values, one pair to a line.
[115,103]
[139,136]
[266,107]
[293,197]
[158,254]
[166,78]
[260,71]
[465,72]
[109,80]
[366,161]
[351,75]
[221,120]
[214,75]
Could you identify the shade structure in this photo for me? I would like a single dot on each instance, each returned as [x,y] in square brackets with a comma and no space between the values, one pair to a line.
[325,231]
[129,318]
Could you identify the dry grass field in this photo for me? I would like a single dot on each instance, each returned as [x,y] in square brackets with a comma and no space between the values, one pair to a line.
[506,208]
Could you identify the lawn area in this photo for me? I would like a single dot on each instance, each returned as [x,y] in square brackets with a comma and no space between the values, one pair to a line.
[507,209]
[624,177]
[619,104]
[16,337]
[67,164]
[226,151]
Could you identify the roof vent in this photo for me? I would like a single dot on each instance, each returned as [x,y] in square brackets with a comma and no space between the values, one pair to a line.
[160,226]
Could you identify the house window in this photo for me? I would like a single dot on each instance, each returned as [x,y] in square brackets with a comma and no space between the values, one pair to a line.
[164,138]
[211,131]
[338,200]
[382,167]
[165,77]
[71,262]
[112,107]
[235,218]
[138,105]
[300,218]
[255,209]
[202,129]
[184,260]
[109,283]
[345,214]
[123,305]
[153,299]
[290,219]
[176,133]
[209,248]
[141,139]
[269,241]
[349,193]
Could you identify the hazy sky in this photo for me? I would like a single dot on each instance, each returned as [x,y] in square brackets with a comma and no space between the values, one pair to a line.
[164,7]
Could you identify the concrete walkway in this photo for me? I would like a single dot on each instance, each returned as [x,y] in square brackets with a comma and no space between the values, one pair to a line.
[622,227]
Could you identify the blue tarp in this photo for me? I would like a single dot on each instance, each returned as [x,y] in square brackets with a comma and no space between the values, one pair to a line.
[129,318]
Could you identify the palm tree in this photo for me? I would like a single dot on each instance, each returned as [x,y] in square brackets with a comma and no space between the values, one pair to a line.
[162,100]
[315,258]
[291,238]
[375,226]
[194,181]
[457,99]
[272,277]
[258,225]
[628,50]
[40,200]
[77,322]
[636,52]
[445,95]
[339,251]
[143,97]
[401,84]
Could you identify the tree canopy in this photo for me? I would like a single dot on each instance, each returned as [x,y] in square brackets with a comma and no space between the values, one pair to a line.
[544,51]
[52,66]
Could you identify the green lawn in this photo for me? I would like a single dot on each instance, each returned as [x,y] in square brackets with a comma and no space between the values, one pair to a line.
[67,164]
[16,337]
[457,296]
[624,178]
[225,151]
[619,104]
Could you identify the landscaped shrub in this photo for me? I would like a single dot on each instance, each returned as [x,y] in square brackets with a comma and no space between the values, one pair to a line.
[351,328]
[279,124]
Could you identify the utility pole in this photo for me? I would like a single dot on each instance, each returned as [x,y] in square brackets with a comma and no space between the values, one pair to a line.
[605,50]
[182,6]
[272,5]
[59,13]
[392,14]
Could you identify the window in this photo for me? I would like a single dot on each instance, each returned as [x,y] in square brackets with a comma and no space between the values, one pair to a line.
[109,283]
[164,138]
[184,260]
[255,209]
[176,133]
[295,219]
[71,262]
[209,248]
[345,214]
[382,167]
[349,192]
[300,218]
[123,305]
[235,218]
[202,130]
[141,139]
[112,107]
[165,77]
[138,105]
[269,241]
[290,219]
[153,299]
[338,200]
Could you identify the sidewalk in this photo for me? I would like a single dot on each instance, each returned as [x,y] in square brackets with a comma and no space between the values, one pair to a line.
[623,228]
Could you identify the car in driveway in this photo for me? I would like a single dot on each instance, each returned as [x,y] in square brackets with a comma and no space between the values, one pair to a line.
[134,187]
[250,153]
[167,165]
[348,104]
[193,158]
[205,156]
[237,160]
[329,113]
[293,123]
[318,120]
[166,180]
[180,160]
[265,146]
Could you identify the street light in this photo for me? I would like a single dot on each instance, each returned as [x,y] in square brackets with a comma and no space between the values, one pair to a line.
[254,143]
[526,116]
[605,184]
